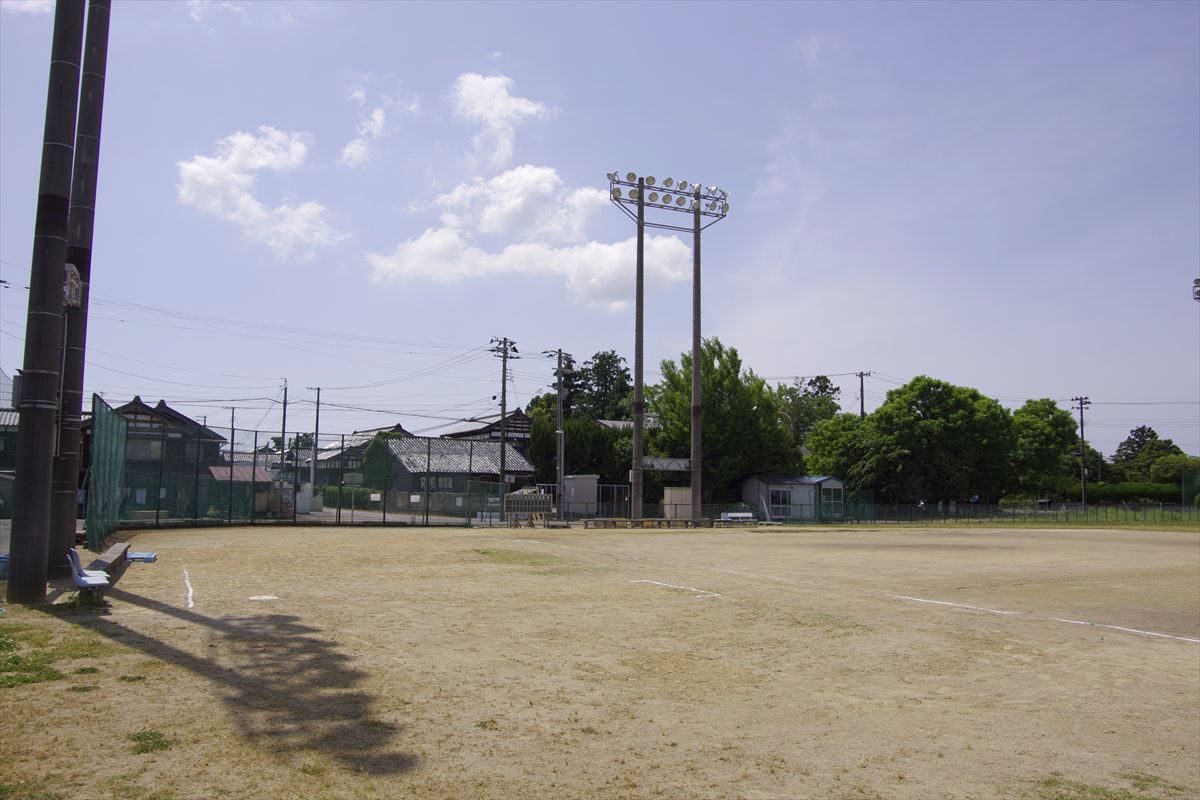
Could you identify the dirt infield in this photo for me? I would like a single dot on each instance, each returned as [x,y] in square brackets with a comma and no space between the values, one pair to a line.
[459,663]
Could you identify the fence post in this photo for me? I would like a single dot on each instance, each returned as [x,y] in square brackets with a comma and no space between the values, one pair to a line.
[295,482]
[254,480]
[341,478]
[428,457]
[196,482]
[387,482]
[162,454]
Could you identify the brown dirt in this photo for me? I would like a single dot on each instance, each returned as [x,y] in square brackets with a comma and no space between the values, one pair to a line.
[452,663]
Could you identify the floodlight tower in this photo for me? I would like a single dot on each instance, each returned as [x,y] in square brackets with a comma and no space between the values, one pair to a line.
[707,207]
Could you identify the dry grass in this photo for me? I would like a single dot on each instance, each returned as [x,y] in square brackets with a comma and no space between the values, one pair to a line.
[482,664]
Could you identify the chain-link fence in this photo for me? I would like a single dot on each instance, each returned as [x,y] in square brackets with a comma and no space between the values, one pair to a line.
[165,471]
[107,448]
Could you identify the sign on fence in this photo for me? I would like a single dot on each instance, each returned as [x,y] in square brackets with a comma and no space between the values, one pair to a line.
[668,464]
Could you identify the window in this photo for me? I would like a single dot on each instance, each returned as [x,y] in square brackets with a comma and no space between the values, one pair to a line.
[143,449]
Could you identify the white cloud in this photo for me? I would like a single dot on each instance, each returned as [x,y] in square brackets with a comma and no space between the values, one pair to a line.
[223,185]
[527,202]
[356,152]
[596,273]
[199,9]
[28,6]
[487,100]
[372,125]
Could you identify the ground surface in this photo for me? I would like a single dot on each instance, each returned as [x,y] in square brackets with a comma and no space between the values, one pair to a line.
[455,663]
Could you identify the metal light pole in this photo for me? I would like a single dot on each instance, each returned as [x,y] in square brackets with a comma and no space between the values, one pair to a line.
[674,195]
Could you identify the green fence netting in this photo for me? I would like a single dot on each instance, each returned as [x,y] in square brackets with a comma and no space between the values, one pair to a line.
[106,474]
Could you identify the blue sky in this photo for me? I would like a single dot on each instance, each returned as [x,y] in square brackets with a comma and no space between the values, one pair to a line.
[1004,196]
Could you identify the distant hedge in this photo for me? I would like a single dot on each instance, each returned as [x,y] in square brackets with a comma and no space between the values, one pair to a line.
[1131,493]
[361,495]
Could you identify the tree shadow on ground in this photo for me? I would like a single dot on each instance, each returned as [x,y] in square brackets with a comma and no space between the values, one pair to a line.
[286,687]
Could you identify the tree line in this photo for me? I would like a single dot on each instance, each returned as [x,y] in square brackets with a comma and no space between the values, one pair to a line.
[929,441]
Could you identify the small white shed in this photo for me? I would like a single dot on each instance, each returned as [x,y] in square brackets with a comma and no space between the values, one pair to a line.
[795,498]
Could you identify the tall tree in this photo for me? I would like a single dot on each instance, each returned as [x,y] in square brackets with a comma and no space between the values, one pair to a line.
[931,440]
[377,463]
[841,446]
[1139,452]
[804,404]
[742,433]
[1044,439]
[605,390]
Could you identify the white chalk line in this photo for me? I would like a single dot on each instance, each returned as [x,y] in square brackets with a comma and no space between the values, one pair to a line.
[816,585]
[188,583]
[700,592]
[1049,619]
[956,605]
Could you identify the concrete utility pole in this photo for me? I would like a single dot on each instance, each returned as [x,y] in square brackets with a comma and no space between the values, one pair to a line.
[38,404]
[312,465]
[506,348]
[862,395]
[1083,403]
[697,390]
[560,432]
[80,226]
[639,393]
[283,428]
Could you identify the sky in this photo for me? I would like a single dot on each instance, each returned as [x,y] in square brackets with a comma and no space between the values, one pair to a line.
[360,196]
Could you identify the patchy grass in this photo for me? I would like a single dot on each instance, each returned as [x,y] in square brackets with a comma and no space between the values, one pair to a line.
[132,678]
[487,724]
[148,741]
[28,653]
[25,791]
[518,558]
[89,687]
[829,622]
[1145,787]
[16,670]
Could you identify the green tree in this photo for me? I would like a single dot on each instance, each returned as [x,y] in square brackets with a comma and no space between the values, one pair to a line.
[604,388]
[803,405]
[543,406]
[931,440]
[1044,439]
[591,449]
[1172,468]
[840,446]
[1139,452]
[377,463]
[742,432]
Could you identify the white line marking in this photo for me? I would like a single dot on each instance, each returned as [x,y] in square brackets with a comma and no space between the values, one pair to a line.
[789,581]
[187,582]
[956,605]
[700,592]
[1128,630]
[1049,619]
[264,597]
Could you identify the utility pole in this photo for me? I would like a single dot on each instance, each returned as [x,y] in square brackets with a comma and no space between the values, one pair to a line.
[506,348]
[1083,403]
[560,448]
[283,428]
[81,224]
[312,465]
[862,395]
[38,404]
[232,436]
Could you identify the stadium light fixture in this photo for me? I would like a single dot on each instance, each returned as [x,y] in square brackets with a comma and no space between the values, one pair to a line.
[707,206]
